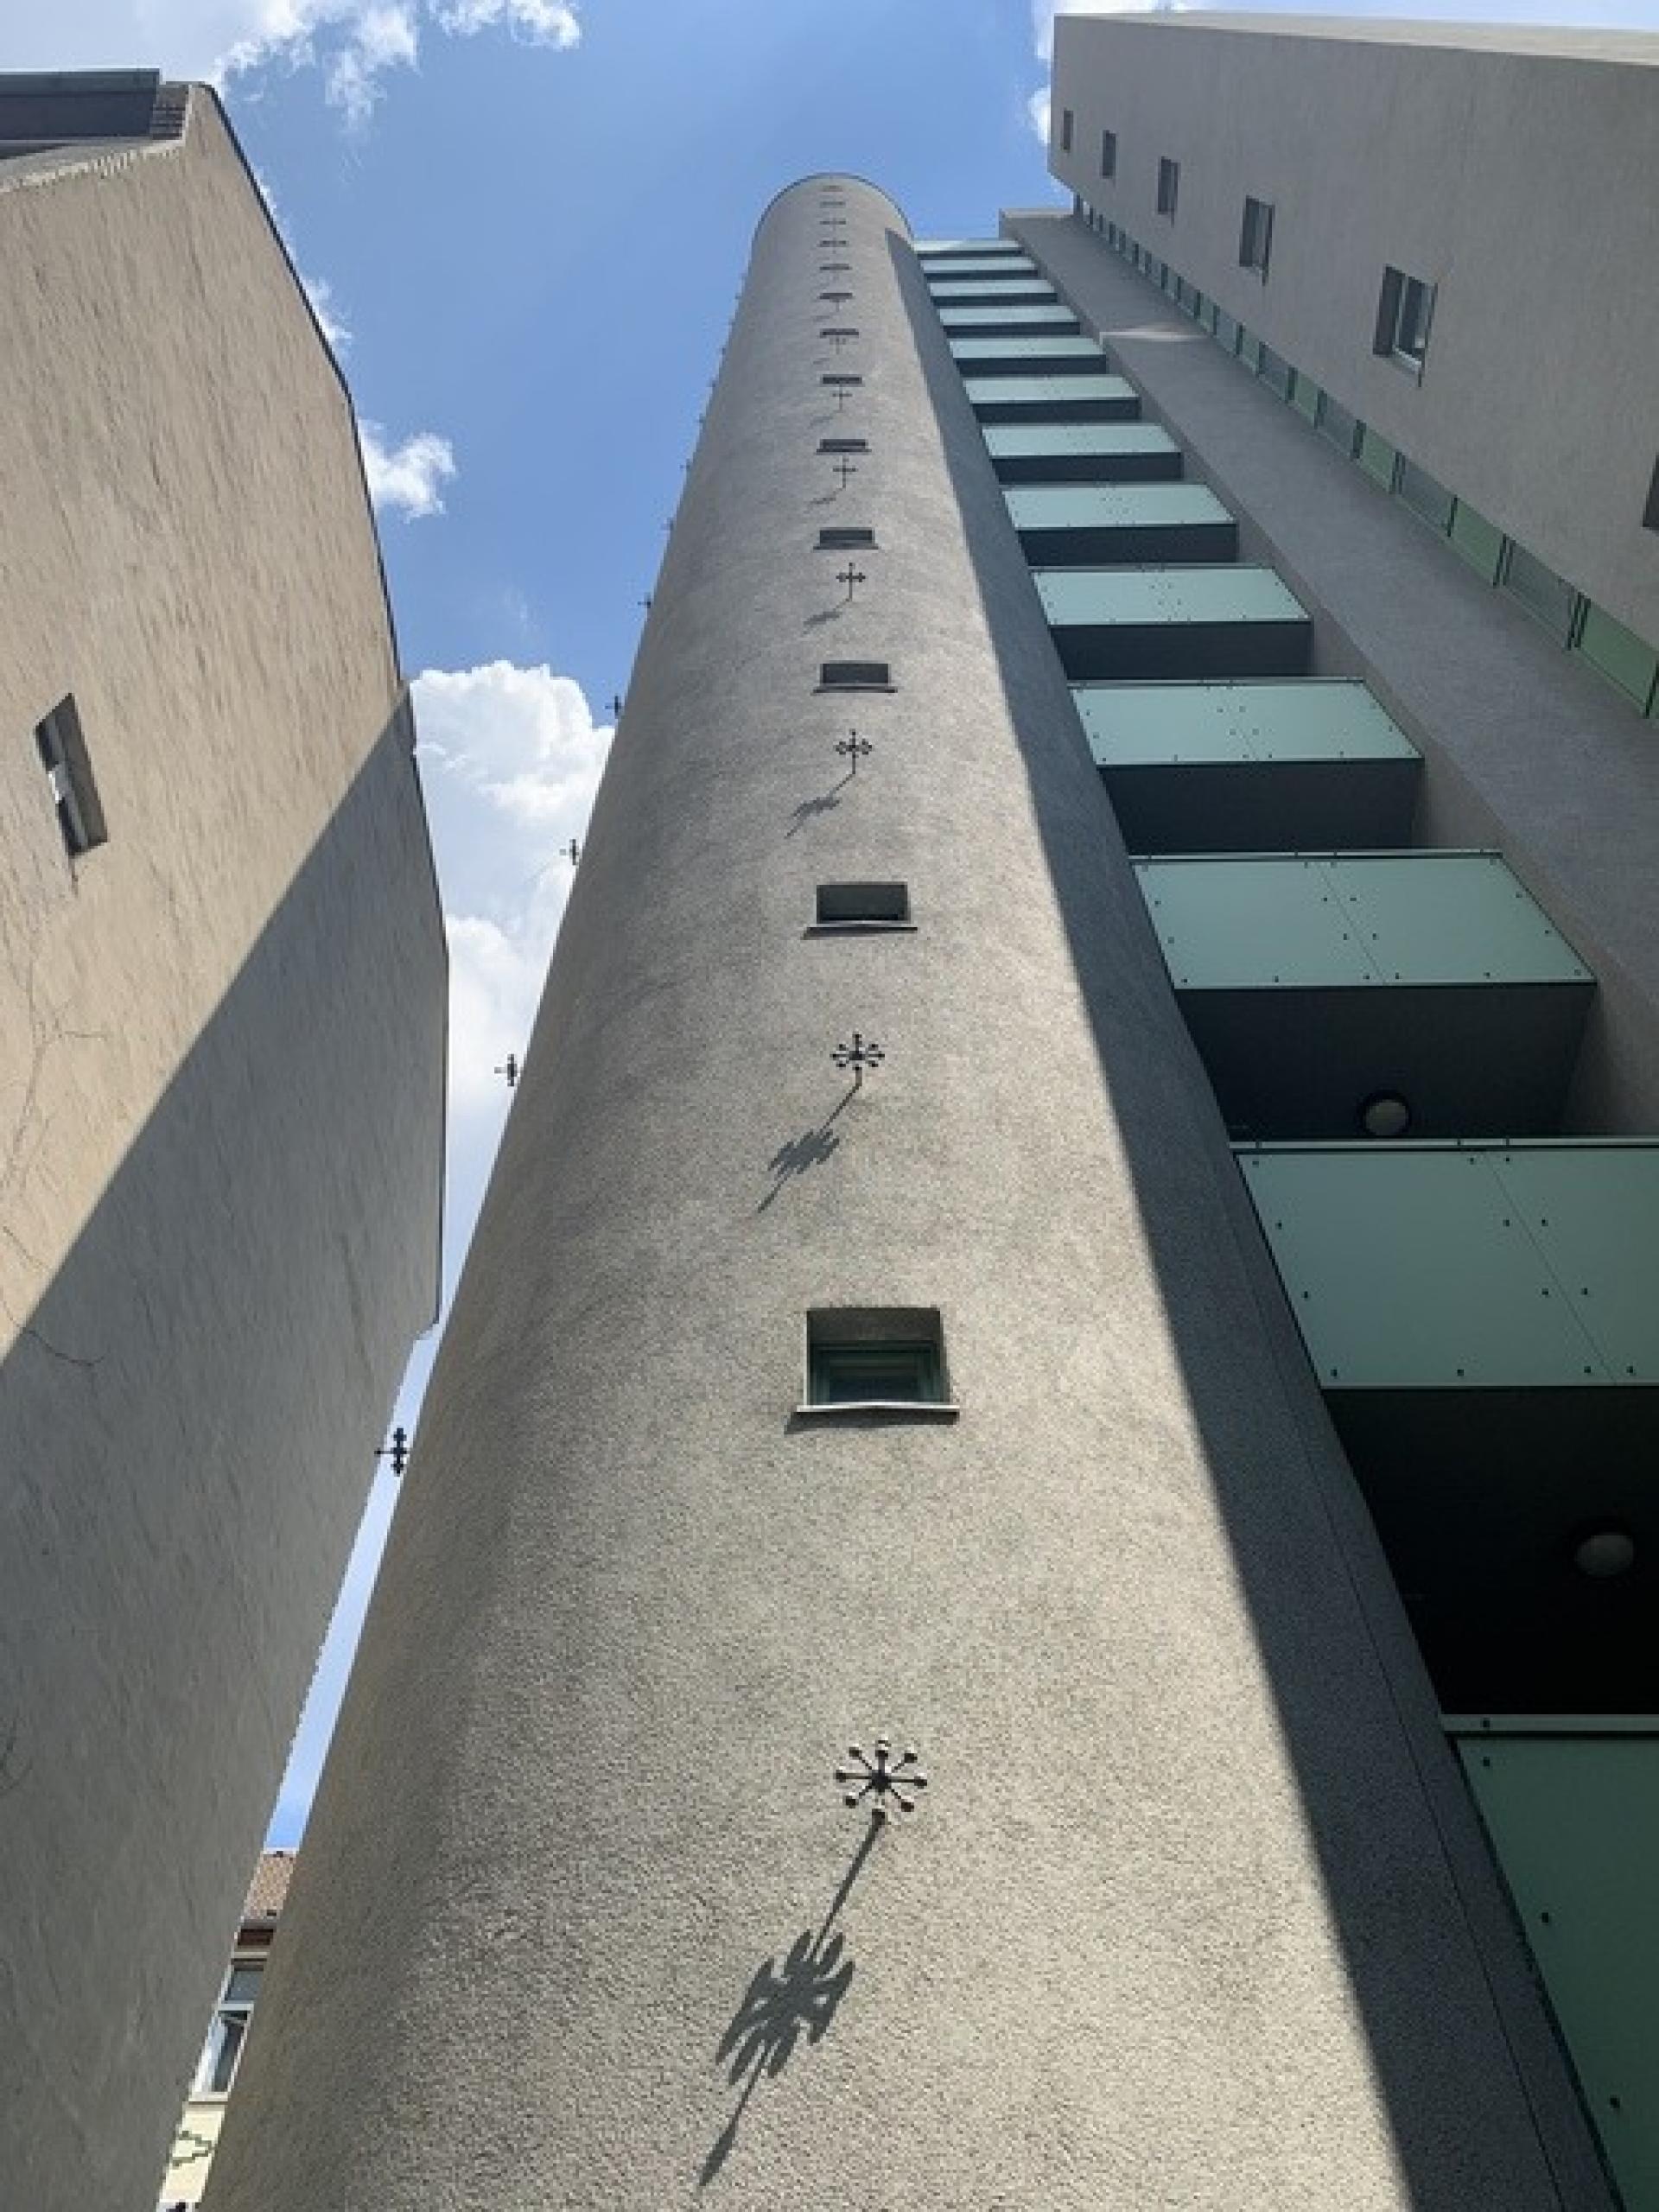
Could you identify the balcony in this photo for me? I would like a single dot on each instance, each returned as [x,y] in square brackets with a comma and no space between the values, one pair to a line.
[1099,398]
[1484,1321]
[980,263]
[988,291]
[1092,453]
[1187,622]
[1572,1809]
[1046,356]
[1062,525]
[1010,321]
[1313,984]
[1310,766]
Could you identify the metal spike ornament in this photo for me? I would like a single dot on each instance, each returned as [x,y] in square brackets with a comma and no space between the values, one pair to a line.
[888,1784]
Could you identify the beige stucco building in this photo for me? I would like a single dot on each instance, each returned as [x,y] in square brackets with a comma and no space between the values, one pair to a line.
[221,1029]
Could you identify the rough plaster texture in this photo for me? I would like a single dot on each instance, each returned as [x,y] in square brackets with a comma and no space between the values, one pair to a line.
[1523,749]
[1523,183]
[1194,1914]
[221,1106]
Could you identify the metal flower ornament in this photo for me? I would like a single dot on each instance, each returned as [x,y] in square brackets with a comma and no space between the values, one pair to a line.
[876,1779]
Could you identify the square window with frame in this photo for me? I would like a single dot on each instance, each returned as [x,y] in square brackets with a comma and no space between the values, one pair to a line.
[876,1360]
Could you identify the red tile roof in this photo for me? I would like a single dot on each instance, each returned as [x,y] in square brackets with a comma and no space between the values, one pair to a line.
[268,1893]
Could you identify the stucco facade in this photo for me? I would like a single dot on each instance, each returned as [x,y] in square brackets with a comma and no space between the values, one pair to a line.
[220,1087]
[1195,1912]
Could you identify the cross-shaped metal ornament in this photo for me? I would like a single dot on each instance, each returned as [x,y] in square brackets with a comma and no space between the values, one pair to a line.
[572,852]
[509,1068]
[890,1784]
[852,578]
[858,1056]
[841,397]
[843,468]
[850,748]
[396,1453]
[614,703]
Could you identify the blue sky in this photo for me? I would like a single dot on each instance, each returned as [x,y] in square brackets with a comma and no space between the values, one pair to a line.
[524,223]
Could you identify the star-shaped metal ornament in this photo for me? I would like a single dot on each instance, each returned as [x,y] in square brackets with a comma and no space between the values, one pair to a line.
[889,1784]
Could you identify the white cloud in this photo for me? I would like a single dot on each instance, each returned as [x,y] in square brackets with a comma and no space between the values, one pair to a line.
[408,478]
[333,326]
[1043,13]
[513,758]
[1037,111]
[354,43]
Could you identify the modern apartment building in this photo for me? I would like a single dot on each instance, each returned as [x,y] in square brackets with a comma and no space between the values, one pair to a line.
[221,1032]
[1079,1220]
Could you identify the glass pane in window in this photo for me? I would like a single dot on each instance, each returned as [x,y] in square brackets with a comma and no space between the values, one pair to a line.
[1541,591]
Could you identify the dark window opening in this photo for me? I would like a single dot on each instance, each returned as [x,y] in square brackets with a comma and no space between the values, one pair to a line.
[876,1358]
[855,675]
[1169,185]
[1650,512]
[62,747]
[844,444]
[835,298]
[1109,153]
[1065,129]
[1405,309]
[834,268]
[836,377]
[838,330]
[837,537]
[862,906]
[1256,236]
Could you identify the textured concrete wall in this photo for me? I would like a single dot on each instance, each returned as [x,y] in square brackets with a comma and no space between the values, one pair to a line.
[1524,184]
[1523,748]
[1192,1914]
[221,1099]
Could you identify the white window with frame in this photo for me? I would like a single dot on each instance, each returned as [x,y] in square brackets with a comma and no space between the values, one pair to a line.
[1405,311]
[229,2031]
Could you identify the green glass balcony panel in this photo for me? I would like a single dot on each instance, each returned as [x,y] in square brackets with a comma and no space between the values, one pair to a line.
[1137,725]
[1014,316]
[1479,541]
[1173,621]
[1572,1818]
[980,265]
[1416,1267]
[1052,355]
[1377,456]
[991,291]
[1617,653]
[1252,924]
[1599,1236]
[1070,523]
[1095,397]
[927,247]
[1101,453]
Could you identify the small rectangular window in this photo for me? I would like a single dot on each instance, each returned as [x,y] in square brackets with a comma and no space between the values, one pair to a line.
[1169,185]
[1650,512]
[855,675]
[835,296]
[837,330]
[1256,236]
[844,444]
[1109,153]
[834,268]
[229,2030]
[862,906]
[836,377]
[842,537]
[875,1360]
[62,748]
[1065,129]
[1405,309]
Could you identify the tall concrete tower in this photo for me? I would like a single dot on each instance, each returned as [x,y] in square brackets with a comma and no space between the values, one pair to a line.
[796,1398]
